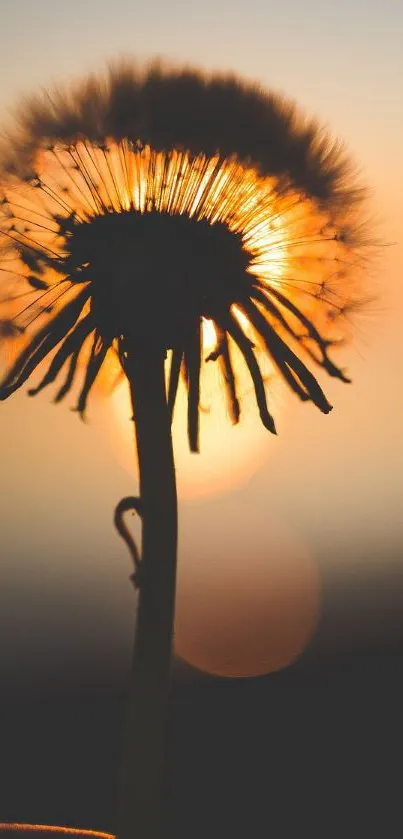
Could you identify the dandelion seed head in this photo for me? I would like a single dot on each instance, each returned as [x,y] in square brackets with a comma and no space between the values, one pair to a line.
[138,206]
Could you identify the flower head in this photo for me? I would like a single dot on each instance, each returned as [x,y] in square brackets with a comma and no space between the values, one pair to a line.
[137,207]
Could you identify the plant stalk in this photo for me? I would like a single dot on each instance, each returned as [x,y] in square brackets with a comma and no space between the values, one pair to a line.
[140,809]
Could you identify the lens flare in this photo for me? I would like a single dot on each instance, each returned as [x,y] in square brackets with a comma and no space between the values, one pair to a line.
[248,599]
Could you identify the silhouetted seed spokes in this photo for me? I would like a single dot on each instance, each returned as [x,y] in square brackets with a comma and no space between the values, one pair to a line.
[285,359]
[192,360]
[36,248]
[313,333]
[272,309]
[70,346]
[222,355]
[225,363]
[125,170]
[92,187]
[46,339]
[33,211]
[24,241]
[59,157]
[46,306]
[92,156]
[174,375]
[38,300]
[97,358]
[68,382]
[231,325]
[37,284]
[105,153]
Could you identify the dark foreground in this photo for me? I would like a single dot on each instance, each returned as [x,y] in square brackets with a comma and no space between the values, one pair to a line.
[315,750]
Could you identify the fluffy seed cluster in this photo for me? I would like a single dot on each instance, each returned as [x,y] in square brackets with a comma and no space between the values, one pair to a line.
[136,207]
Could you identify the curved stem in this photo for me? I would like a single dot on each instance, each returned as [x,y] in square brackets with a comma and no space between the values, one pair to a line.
[142,780]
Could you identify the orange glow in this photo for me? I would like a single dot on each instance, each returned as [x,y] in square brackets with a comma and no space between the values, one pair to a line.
[50,828]
[293,244]
[179,183]
[229,454]
[243,612]
[209,335]
[242,319]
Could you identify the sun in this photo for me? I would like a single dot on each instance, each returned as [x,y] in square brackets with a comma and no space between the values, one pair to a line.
[229,453]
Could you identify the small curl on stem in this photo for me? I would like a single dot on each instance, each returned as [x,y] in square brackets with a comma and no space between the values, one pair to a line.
[131,502]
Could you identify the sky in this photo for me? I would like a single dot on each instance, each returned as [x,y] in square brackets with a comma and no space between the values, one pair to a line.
[316,519]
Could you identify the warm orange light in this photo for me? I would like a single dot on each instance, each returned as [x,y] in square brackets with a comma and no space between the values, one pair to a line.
[177,182]
[242,319]
[279,231]
[209,335]
[292,246]
[245,606]
[229,454]
[50,828]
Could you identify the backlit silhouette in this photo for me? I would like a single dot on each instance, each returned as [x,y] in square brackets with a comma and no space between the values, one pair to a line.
[138,210]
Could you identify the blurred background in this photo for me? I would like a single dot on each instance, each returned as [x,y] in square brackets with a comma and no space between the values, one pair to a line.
[290,590]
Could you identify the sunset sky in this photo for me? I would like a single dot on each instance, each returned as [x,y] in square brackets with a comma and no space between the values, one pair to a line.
[318,515]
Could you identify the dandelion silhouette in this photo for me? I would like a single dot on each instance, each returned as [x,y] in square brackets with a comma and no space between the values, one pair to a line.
[136,207]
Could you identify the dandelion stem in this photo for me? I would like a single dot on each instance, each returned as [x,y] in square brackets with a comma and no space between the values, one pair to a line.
[142,779]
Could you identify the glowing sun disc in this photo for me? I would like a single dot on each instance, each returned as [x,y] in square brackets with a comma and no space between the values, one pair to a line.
[229,454]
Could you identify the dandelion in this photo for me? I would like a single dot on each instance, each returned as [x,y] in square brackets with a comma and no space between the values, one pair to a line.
[142,212]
